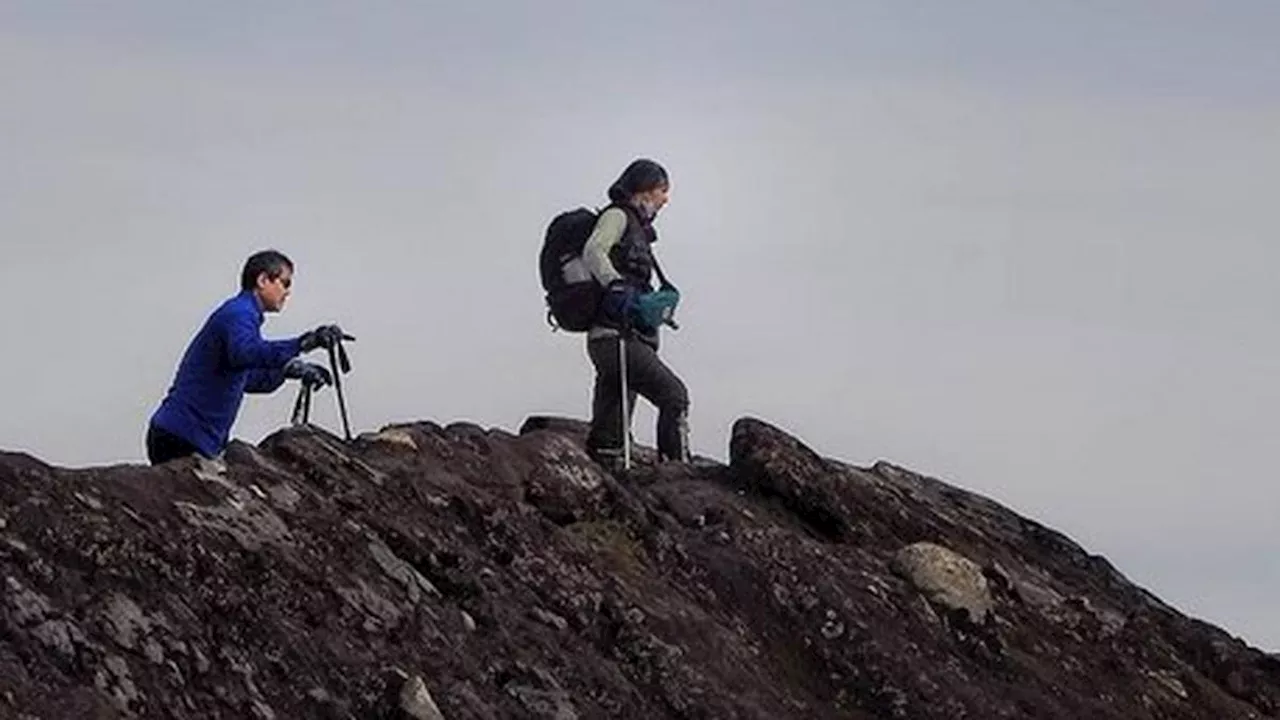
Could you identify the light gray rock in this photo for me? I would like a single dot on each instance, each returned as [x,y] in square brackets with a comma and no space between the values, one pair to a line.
[416,700]
[946,578]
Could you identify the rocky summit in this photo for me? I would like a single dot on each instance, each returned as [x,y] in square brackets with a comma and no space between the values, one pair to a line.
[457,572]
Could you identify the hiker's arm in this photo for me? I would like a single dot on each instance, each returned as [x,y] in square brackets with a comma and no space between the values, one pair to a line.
[595,254]
[262,382]
[246,350]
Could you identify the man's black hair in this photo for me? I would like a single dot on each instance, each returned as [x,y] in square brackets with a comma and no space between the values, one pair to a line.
[271,262]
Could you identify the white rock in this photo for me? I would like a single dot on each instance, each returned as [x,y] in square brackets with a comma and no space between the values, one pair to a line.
[416,700]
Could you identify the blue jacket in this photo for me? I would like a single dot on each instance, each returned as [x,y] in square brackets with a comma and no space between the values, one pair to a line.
[226,359]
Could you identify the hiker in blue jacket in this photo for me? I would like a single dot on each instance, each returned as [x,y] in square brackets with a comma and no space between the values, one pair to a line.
[229,357]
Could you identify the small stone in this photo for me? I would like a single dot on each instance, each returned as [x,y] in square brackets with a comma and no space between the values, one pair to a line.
[552,704]
[416,700]
[212,470]
[398,569]
[550,619]
[153,652]
[998,578]
[28,607]
[115,680]
[176,673]
[1169,680]
[320,695]
[262,711]
[284,497]
[468,622]
[125,621]
[392,437]
[88,501]
[57,636]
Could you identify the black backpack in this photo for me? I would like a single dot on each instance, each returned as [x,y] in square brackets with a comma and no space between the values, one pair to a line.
[573,295]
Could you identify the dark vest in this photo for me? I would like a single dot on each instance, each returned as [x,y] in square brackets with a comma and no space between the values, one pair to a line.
[632,256]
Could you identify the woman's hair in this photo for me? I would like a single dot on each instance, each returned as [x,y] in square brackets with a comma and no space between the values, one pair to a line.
[641,175]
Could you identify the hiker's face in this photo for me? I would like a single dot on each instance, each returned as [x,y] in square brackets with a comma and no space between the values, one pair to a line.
[273,292]
[655,199]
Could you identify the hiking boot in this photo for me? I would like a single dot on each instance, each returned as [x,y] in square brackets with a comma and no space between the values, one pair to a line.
[611,459]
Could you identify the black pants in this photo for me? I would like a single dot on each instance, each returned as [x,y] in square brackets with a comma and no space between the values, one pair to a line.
[647,376]
[163,446]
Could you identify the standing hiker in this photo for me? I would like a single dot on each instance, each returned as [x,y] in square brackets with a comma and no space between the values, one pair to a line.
[227,358]
[623,341]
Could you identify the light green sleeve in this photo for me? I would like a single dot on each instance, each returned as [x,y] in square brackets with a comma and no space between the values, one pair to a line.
[595,254]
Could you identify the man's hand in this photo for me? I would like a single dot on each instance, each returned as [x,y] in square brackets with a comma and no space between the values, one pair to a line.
[311,374]
[325,336]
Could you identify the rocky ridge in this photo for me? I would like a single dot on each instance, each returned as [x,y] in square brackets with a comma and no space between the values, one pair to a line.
[460,572]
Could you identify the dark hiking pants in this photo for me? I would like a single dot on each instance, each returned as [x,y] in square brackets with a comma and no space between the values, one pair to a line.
[163,446]
[648,377]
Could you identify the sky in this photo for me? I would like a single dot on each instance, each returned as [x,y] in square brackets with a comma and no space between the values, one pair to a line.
[1028,248]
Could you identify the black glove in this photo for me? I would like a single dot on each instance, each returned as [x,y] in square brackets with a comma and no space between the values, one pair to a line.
[619,302]
[310,374]
[325,336]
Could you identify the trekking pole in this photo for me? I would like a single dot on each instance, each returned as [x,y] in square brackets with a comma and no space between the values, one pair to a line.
[302,405]
[339,364]
[626,399]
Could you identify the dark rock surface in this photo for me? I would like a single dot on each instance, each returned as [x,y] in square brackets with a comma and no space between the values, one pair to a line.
[458,572]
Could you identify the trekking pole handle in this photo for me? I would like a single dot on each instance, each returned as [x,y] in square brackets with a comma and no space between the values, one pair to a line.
[344,362]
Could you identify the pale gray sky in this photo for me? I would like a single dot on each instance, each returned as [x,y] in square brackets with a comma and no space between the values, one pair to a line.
[1025,247]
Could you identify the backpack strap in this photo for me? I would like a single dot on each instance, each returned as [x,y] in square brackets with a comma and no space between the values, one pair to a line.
[662,277]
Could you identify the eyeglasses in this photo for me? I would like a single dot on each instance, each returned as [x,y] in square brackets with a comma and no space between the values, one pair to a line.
[286,282]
